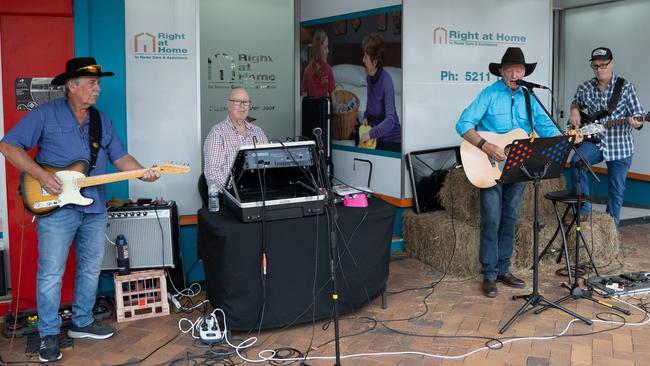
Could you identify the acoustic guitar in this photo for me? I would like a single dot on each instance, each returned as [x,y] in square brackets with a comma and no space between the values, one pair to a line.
[481,170]
[73,178]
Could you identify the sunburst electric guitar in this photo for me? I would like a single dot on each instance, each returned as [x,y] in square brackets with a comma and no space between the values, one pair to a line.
[73,177]
[481,170]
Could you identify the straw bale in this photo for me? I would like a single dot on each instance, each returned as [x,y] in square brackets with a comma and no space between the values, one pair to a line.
[603,240]
[466,204]
[429,237]
[545,206]
[457,194]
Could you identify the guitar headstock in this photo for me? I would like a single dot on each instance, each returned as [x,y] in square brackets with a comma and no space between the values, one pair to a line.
[174,169]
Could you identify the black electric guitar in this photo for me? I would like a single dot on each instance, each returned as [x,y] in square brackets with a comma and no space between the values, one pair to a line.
[591,127]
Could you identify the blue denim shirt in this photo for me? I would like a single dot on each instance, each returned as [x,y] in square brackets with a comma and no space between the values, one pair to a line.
[499,109]
[61,142]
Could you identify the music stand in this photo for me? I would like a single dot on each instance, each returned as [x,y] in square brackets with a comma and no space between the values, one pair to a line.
[536,159]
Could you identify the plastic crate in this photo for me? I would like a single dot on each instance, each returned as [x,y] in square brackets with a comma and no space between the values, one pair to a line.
[140,295]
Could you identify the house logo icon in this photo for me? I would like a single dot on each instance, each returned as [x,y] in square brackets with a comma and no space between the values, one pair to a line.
[439,35]
[144,42]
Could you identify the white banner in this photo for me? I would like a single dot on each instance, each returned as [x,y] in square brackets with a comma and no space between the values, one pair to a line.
[448,45]
[162,95]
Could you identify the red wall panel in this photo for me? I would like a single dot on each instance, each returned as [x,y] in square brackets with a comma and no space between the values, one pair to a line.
[32,46]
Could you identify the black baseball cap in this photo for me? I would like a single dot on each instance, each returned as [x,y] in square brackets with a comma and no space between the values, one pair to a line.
[601,53]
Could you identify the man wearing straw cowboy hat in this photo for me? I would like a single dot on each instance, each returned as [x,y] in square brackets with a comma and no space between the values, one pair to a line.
[500,108]
[66,130]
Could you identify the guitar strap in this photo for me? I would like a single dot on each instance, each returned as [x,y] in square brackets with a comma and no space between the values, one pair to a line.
[95,133]
[528,111]
[616,95]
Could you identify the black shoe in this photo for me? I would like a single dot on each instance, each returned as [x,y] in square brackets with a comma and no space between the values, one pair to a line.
[509,279]
[489,288]
[49,350]
[94,330]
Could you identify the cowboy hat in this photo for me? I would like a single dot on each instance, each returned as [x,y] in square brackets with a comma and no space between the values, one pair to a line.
[80,66]
[513,55]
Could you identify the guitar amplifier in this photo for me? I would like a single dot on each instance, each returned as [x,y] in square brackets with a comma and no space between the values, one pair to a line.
[151,232]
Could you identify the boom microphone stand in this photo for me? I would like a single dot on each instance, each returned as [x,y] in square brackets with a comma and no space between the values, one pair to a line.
[332,218]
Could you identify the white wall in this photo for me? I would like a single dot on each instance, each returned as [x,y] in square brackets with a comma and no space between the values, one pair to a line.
[623,27]
[441,78]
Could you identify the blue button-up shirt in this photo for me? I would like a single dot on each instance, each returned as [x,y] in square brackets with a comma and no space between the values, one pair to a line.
[617,142]
[61,141]
[500,109]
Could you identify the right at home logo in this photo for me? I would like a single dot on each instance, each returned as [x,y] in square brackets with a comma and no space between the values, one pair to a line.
[160,45]
[444,36]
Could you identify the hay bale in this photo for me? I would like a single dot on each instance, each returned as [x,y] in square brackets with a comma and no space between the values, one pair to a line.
[605,247]
[522,256]
[603,240]
[460,198]
[459,195]
[546,213]
[429,237]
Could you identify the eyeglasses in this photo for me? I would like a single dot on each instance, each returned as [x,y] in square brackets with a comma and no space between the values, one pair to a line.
[241,103]
[91,68]
[601,66]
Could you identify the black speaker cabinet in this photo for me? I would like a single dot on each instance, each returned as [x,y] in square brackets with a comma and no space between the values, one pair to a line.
[316,113]
[151,232]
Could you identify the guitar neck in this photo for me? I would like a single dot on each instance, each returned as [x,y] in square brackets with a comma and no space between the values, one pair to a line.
[110,178]
[622,121]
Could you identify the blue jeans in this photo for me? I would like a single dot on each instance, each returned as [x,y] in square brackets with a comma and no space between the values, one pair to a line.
[616,173]
[499,215]
[55,234]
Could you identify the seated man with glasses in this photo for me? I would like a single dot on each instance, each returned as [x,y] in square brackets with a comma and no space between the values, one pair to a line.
[611,97]
[225,138]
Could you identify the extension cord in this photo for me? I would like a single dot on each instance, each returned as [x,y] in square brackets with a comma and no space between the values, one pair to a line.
[174,301]
[209,331]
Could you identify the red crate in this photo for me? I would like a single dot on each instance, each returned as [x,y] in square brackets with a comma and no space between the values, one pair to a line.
[141,295]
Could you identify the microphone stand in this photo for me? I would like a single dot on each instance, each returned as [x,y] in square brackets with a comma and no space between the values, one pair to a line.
[332,218]
[575,291]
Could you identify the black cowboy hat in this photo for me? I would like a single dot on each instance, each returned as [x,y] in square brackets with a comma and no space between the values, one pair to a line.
[513,55]
[80,66]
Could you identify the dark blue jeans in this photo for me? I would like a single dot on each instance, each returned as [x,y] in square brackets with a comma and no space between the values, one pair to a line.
[616,172]
[55,235]
[499,215]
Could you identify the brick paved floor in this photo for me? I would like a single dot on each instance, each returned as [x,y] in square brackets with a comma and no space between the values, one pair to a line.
[457,321]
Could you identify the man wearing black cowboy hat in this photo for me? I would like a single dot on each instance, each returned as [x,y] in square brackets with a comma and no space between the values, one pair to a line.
[500,108]
[61,129]
[616,146]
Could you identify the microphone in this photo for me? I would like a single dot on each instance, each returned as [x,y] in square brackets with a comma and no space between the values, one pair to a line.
[530,85]
[318,133]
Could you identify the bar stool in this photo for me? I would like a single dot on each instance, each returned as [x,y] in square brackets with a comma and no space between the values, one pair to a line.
[570,199]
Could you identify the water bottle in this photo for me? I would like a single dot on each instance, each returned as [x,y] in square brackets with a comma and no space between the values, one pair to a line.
[213,198]
[122,255]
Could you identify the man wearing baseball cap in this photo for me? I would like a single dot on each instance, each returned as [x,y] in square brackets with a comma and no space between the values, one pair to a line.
[606,97]
[67,130]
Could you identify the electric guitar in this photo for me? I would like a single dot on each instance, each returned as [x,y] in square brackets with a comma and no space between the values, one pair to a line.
[591,126]
[73,177]
[481,170]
